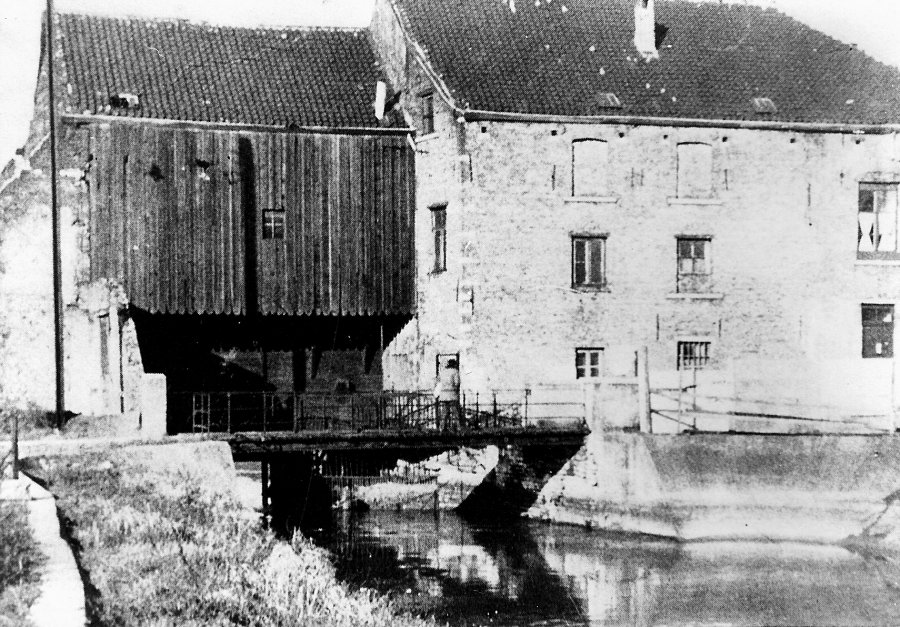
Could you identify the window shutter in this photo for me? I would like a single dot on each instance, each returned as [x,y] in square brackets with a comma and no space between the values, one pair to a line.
[578,263]
[597,261]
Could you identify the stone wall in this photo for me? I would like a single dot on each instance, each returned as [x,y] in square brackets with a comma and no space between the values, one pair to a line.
[807,488]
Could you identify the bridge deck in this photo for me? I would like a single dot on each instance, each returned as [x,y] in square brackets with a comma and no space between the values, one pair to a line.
[256,444]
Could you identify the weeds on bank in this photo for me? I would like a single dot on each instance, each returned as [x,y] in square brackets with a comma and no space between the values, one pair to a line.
[20,561]
[169,553]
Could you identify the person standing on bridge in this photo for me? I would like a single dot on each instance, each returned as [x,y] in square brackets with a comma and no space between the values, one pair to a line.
[446,396]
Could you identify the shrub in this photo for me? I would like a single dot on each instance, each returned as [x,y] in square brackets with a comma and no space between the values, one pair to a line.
[20,562]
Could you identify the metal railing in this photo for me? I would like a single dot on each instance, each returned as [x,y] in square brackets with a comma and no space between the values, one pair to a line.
[265,411]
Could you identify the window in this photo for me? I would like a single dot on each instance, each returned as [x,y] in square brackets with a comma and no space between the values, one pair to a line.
[439,231]
[590,159]
[427,114]
[693,264]
[693,355]
[694,171]
[588,363]
[877,331]
[273,224]
[589,261]
[877,221]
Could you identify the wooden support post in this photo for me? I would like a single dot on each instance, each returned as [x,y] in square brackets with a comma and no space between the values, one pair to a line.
[646,425]
[265,493]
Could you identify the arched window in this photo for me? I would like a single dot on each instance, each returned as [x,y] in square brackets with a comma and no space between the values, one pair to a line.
[590,161]
[694,170]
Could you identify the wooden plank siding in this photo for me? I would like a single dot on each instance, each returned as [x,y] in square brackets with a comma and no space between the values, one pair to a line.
[171,208]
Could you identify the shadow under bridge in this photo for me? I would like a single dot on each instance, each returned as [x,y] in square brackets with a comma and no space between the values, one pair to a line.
[260,423]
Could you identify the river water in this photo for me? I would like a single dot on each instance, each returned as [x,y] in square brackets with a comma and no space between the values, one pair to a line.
[516,572]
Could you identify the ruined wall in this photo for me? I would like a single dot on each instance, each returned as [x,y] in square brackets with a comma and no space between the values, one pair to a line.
[97,382]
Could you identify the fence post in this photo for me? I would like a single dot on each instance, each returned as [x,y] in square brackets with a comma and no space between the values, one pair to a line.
[694,401]
[495,409]
[527,394]
[646,425]
[15,446]
[265,411]
[680,397]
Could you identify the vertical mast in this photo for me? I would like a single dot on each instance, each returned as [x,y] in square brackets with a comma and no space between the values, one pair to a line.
[54,211]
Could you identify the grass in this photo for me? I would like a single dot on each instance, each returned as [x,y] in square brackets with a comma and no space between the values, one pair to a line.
[165,552]
[20,561]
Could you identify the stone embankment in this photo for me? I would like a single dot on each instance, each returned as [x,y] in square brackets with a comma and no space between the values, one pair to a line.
[811,488]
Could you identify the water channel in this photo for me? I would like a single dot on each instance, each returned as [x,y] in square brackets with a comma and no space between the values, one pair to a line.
[484,571]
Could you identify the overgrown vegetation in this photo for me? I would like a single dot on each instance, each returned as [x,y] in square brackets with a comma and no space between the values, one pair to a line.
[33,421]
[166,552]
[20,562]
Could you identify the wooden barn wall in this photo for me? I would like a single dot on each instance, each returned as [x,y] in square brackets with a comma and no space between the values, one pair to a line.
[176,233]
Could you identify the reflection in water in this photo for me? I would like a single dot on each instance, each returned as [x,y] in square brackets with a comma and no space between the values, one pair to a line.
[520,573]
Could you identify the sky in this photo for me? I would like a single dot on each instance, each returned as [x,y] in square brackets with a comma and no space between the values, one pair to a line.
[871,24]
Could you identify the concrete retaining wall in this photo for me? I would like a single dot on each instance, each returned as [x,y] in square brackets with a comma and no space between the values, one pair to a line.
[808,488]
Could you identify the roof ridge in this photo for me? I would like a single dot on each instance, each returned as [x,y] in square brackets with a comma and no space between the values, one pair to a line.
[204,23]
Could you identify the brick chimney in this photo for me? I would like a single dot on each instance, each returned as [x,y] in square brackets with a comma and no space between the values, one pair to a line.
[645,28]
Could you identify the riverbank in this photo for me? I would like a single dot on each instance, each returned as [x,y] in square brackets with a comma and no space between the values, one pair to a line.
[160,539]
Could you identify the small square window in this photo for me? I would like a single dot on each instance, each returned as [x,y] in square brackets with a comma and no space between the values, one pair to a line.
[588,363]
[693,261]
[427,114]
[693,355]
[273,224]
[439,233]
[589,261]
[877,331]
[877,211]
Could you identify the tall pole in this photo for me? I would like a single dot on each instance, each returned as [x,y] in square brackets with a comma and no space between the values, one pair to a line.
[54,212]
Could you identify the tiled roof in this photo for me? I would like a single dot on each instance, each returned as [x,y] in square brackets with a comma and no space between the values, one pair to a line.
[558,56]
[194,72]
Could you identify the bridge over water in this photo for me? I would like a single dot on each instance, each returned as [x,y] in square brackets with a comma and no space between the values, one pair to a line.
[262,423]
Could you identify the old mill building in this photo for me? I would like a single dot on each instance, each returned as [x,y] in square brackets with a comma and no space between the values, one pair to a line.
[553,186]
